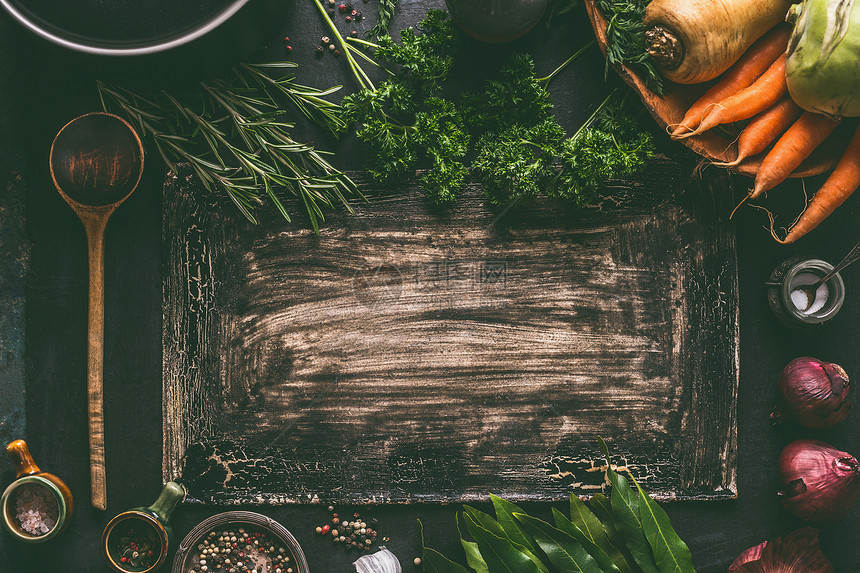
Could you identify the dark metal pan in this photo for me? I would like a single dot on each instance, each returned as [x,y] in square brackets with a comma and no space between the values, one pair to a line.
[142,27]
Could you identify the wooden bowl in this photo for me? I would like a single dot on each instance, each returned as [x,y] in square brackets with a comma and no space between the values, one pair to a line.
[669,109]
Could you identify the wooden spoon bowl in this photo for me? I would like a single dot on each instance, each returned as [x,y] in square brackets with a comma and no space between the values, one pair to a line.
[669,109]
[96,162]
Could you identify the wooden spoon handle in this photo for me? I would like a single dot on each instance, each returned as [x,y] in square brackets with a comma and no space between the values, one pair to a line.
[95,359]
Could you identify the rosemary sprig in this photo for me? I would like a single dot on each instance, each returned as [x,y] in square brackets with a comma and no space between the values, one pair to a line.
[385,12]
[235,136]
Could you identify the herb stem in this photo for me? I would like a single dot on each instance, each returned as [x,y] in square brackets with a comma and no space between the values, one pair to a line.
[593,116]
[576,54]
[361,77]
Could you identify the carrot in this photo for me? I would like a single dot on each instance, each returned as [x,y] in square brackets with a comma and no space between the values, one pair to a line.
[843,181]
[764,129]
[763,93]
[791,149]
[757,59]
[693,41]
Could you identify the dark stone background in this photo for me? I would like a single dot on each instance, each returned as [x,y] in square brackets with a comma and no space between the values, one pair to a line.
[41,88]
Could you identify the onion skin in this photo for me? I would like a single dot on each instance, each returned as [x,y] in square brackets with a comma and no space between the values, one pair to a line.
[751,554]
[798,552]
[812,393]
[819,483]
[693,41]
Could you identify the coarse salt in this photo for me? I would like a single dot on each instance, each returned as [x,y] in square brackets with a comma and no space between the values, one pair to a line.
[36,509]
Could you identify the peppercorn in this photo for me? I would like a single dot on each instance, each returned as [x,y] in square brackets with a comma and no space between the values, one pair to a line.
[353,34]
[349,18]
[325,528]
[289,49]
[286,39]
[331,48]
[342,8]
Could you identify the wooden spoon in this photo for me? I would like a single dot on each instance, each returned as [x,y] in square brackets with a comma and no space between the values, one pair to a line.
[96,163]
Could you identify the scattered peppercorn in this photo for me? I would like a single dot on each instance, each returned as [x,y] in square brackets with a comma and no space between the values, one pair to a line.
[220,552]
[336,53]
[342,8]
[354,34]
[286,39]
[417,561]
[350,534]
[289,49]
[325,40]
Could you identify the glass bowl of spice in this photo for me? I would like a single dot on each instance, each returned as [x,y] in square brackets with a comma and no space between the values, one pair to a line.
[239,542]
[799,297]
[38,505]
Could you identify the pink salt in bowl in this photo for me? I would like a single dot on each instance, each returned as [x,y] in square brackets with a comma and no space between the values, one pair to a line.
[38,505]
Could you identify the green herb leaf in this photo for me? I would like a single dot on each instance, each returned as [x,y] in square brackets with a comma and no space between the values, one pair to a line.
[670,552]
[625,513]
[384,13]
[435,562]
[602,508]
[487,522]
[505,515]
[600,555]
[499,553]
[590,525]
[564,552]
[473,554]
[625,35]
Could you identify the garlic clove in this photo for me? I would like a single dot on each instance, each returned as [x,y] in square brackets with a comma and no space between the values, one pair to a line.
[383,561]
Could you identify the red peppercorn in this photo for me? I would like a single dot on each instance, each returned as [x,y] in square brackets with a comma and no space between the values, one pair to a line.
[286,39]
[354,12]
[149,553]
[123,559]
[342,8]
[349,18]
[289,49]
[337,53]
[326,528]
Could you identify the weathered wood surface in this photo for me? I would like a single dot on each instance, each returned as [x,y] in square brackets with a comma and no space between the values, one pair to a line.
[14,262]
[411,354]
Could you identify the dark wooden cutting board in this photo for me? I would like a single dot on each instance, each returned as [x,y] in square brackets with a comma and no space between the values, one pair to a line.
[409,353]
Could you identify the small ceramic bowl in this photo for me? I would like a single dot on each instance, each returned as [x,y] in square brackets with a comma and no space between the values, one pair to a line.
[187,555]
[29,476]
[137,540]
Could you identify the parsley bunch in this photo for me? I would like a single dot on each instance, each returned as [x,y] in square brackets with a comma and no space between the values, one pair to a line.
[520,150]
[404,122]
[527,153]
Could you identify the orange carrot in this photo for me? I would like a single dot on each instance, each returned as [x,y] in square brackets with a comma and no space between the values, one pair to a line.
[742,74]
[763,93]
[791,149]
[764,129]
[839,186]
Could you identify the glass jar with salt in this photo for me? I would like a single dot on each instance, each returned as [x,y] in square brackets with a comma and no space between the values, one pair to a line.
[798,296]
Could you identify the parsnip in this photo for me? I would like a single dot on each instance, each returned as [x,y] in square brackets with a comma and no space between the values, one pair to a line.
[693,41]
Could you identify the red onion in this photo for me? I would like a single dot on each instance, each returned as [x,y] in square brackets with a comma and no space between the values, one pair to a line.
[819,483]
[797,553]
[812,393]
[751,554]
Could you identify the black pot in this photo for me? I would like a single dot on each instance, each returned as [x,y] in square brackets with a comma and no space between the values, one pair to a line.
[139,38]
